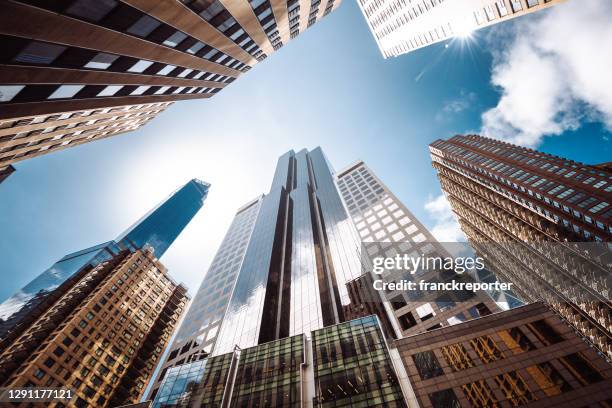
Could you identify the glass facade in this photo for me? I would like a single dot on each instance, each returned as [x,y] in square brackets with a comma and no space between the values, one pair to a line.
[179,384]
[162,225]
[216,377]
[353,367]
[302,252]
[345,365]
[269,375]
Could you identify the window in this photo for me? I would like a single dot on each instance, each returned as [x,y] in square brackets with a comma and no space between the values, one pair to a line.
[101,61]
[140,90]
[39,373]
[444,399]
[65,91]
[166,70]
[548,379]
[140,66]
[144,26]
[8,92]
[110,90]
[162,90]
[91,10]
[195,47]
[427,365]
[545,332]
[185,72]
[39,53]
[398,302]
[407,321]
[175,39]
[580,368]
[49,362]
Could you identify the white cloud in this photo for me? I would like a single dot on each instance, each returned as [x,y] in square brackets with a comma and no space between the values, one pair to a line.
[446,228]
[554,73]
[459,104]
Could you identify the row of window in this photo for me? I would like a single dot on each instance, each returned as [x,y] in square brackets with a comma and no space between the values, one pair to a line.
[35,93]
[126,19]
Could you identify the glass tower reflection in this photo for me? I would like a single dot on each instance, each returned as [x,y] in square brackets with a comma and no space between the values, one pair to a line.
[302,251]
[157,229]
[162,225]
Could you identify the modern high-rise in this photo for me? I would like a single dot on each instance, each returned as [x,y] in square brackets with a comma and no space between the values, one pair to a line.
[198,332]
[103,337]
[402,26]
[157,230]
[524,357]
[281,270]
[386,228]
[302,251]
[73,71]
[540,221]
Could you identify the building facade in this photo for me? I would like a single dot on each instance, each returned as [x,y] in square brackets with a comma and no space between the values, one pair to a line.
[199,329]
[540,221]
[387,227]
[26,137]
[6,171]
[103,337]
[302,251]
[281,270]
[402,26]
[87,61]
[157,230]
[343,365]
[525,357]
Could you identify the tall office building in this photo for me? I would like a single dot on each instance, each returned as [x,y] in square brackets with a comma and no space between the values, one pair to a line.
[199,329]
[103,336]
[387,228]
[281,270]
[157,229]
[525,357]
[402,26]
[73,71]
[302,252]
[540,221]
[163,224]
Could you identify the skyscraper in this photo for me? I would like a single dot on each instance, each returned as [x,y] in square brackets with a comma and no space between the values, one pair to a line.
[540,221]
[163,224]
[387,227]
[198,332]
[281,270]
[103,336]
[301,253]
[403,26]
[78,70]
[158,229]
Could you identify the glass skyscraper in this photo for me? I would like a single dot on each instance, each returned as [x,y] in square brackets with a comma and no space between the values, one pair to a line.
[281,269]
[157,229]
[302,251]
[160,227]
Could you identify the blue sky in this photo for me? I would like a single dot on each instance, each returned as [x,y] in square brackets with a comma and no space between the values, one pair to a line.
[328,87]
